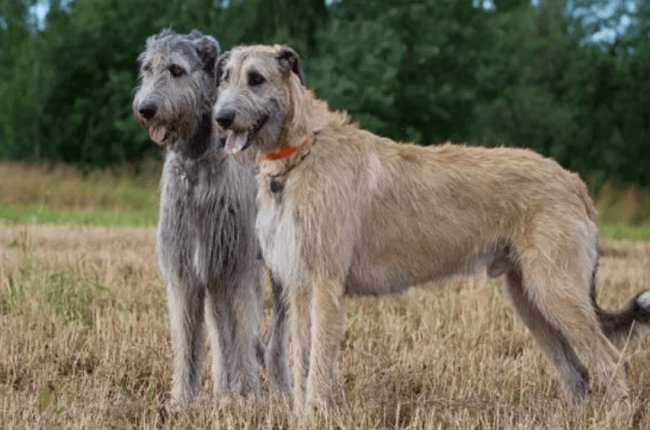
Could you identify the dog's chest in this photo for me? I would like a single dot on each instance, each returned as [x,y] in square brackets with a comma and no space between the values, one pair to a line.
[279,237]
[199,229]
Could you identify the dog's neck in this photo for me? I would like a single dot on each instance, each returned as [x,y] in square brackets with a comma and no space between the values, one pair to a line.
[308,116]
[200,142]
[191,155]
[291,156]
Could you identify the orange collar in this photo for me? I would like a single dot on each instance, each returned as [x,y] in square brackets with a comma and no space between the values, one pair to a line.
[288,150]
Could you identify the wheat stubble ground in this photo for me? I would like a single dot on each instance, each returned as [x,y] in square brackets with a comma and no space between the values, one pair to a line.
[84,344]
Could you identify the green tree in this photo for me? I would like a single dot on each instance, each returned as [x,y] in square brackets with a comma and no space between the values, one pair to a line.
[410,73]
[22,78]
[533,74]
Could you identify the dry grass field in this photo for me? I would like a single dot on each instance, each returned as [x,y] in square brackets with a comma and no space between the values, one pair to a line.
[84,340]
[128,196]
[84,344]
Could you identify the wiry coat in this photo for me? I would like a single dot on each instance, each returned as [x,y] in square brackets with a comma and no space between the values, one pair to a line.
[209,260]
[207,247]
[348,212]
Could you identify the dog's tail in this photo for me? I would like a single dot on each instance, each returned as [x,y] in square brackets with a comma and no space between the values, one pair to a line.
[628,321]
[634,317]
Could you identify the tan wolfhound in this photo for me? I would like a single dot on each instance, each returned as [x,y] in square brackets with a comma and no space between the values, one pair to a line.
[344,212]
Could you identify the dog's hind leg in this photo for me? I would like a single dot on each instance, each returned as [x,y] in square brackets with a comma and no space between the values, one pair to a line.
[275,359]
[186,322]
[233,319]
[556,278]
[573,375]
[246,307]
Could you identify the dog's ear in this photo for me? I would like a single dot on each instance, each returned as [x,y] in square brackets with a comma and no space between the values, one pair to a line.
[221,64]
[290,62]
[208,49]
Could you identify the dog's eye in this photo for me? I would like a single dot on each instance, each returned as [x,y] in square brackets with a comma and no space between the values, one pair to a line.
[226,76]
[176,70]
[146,67]
[255,79]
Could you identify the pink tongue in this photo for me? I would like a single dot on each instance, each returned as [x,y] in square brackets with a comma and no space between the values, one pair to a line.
[235,141]
[158,134]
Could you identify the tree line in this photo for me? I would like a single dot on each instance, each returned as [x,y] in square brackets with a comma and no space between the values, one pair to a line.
[567,78]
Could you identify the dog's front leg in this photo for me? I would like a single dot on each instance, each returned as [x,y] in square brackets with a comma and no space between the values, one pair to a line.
[275,359]
[186,321]
[328,319]
[299,317]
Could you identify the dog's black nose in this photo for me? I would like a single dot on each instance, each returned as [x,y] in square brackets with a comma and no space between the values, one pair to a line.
[148,111]
[225,117]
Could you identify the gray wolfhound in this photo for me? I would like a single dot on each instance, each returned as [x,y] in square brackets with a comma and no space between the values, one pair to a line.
[207,248]
[342,211]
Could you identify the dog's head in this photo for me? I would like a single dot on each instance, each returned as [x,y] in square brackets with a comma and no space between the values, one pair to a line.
[255,87]
[177,84]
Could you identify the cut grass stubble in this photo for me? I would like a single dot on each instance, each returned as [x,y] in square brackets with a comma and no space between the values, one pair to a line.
[84,341]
